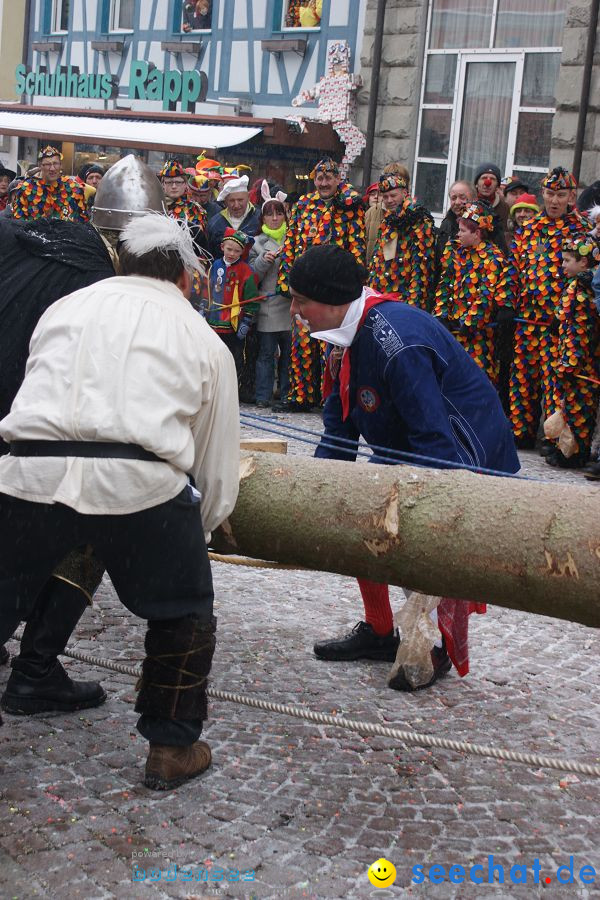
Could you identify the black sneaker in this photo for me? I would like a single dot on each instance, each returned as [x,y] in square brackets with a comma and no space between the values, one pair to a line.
[441,666]
[361,643]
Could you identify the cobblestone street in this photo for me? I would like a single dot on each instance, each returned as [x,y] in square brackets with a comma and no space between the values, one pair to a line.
[308,808]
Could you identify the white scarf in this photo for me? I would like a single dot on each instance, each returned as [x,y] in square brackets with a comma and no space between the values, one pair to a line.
[344,335]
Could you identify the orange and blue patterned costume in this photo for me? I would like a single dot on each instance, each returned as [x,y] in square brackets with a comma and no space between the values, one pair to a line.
[313,220]
[40,199]
[403,259]
[474,283]
[578,354]
[537,253]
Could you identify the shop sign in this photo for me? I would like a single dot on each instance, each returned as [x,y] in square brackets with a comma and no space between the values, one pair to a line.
[146,82]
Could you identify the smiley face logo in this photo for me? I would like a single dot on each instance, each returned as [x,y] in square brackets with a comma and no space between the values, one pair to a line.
[382,873]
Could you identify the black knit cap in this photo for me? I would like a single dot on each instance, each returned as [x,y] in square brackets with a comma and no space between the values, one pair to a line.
[488,169]
[328,274]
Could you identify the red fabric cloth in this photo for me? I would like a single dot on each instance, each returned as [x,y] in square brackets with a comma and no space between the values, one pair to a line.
[376,600]
[453,622]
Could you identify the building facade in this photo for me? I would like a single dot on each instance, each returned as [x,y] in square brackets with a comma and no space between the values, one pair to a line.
[230,61]
[471,81]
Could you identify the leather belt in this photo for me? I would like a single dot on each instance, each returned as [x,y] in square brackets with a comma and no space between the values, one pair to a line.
[88,449]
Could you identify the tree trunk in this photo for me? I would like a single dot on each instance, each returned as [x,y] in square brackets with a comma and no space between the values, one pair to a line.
[523,545]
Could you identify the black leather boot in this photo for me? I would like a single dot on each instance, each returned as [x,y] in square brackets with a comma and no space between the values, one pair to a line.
[38,682]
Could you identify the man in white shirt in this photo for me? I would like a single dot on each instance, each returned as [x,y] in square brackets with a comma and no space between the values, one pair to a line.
[127,393]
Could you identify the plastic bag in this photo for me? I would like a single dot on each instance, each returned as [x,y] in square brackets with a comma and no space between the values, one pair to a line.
[418,633]
[553,425]
[555,428]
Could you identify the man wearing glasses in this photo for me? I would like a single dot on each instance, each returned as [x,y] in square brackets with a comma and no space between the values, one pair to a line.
[51,195]
[174,181]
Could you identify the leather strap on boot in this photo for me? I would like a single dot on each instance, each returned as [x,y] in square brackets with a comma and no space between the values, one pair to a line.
[175,672]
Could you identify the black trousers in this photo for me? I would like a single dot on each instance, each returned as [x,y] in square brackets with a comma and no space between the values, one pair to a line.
[157,560]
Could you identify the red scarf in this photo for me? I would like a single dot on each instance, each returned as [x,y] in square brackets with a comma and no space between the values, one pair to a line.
[333,362]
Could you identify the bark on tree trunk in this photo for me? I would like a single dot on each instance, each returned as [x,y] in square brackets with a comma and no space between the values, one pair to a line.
[523,545]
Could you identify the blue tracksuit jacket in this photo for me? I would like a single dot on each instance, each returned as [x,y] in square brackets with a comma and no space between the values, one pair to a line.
[414,388]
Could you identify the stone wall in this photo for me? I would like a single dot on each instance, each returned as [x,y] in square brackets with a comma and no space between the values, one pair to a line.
[400,81]
[568,96]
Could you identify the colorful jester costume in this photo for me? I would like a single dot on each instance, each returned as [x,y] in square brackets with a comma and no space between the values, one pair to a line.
[231,287]
[537,252]
[403,259]
[314,220]
[40,199]
[577,356]
[474,283]
[182,207]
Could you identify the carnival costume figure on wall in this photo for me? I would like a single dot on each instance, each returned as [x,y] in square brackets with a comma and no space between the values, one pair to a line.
[336,96]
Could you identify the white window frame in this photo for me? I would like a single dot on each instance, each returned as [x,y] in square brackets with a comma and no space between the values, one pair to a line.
[115,12]
[57,9]
[463,57]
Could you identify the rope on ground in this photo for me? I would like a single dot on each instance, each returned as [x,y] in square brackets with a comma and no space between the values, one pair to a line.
[368,728]
[252,563]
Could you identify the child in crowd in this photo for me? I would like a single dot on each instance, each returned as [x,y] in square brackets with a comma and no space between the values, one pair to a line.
[473,286]
[577,364]
[274,323]
[523,209]
[231,312]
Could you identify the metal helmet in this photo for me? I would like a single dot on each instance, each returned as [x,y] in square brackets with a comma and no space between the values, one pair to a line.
[130,188]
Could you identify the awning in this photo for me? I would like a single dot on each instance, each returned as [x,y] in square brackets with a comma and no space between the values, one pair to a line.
[123,132]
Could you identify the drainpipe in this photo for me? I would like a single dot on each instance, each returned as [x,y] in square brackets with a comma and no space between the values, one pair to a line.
[585,87]
[374,95]
[26,29]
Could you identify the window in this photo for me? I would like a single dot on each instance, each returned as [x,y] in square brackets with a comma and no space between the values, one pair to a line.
[530,23]
[460,23]
[60,15]
[197,15]
[302,13]
[490,74]
[122,13]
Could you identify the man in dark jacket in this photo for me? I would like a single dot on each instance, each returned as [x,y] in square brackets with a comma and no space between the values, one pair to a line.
[461,194]
[238,214]
[405,385]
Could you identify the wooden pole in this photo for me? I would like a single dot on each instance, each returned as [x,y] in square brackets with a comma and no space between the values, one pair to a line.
[520,544]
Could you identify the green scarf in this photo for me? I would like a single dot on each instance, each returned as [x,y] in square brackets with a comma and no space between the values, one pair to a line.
[277,234]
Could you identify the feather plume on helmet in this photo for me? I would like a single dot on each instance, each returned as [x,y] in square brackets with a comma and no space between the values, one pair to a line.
[157,233]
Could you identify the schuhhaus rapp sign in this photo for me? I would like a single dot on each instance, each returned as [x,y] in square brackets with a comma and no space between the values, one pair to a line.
[145,83]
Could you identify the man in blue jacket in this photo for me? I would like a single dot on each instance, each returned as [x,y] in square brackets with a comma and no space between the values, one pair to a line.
[403,383]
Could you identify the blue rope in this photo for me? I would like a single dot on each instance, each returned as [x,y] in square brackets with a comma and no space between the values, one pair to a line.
[340,443]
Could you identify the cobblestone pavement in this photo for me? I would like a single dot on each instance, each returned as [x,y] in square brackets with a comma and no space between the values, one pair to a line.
[309,808]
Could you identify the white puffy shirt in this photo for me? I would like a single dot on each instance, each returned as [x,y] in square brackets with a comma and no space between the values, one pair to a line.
[127,360]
